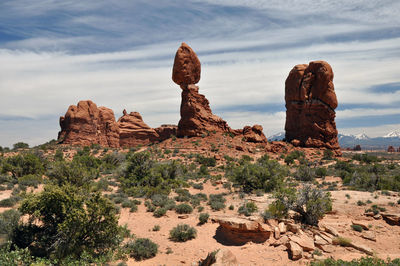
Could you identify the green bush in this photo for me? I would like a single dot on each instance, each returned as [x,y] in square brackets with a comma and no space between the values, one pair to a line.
[217,202]
[289,159]
[160,212]
[9,202]
[364,261]
[264,174]
[68,222]
[310,203]
[142,176]
[321,172]
[206,161]
[142,248]
[304,173]
[23,164]
[248,208]
[203,218]
[8,223]
[182,233]
[20,145]
[30,180]
[357,227]
[183,208]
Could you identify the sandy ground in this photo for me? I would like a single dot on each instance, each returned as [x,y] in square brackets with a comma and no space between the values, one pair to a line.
[344,211]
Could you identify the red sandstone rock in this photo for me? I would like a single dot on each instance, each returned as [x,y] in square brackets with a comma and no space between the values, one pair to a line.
[133,131]
[391,149]
[254,134]
[166,131]
[187,67]
[310,106]
[196,115]
[87,124]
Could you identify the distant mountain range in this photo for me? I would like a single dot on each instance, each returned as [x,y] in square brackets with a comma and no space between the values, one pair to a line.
[366,143]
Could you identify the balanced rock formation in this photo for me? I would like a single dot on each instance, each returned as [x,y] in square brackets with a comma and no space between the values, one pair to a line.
[85,124]
[133,131]
[310,106]
[196,115]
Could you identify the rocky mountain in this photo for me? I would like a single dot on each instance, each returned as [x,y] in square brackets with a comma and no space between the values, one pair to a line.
[369,143]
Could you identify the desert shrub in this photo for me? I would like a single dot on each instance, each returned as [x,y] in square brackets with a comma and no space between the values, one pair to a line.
[310,203]
[30,180]
[198,186]
[68,222]
[328,155]
[289,159]
[142,248]
[112,160]
[23,164]
[217,202]
[200,208]
[361,203]
[183,208]
[231,207]
[182,233]
[364,261]
[201,196]
[248,208]
[203,218]
[59,155]
[9,202]
[321,172]
[156,228]
[183,195]
[149,206]
[365,158]
[304,173]
[264,174]
[142,176]
[342,241]
[20,145]
[356,227]
[159,212]
[63,172]
[8,222]
[206,161]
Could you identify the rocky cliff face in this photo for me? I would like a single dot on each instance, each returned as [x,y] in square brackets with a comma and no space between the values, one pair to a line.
[310,106]
[86,124]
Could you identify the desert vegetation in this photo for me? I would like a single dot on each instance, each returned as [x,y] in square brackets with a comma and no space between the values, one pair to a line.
[64,204]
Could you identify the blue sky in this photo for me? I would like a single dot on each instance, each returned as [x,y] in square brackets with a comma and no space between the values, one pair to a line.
[120,54]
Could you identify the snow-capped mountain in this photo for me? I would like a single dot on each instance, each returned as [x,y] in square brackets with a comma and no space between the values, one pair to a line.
[361,136]
[393,134]
[277,137]
[362,139]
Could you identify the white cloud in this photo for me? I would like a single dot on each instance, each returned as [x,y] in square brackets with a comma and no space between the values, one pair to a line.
[245,60]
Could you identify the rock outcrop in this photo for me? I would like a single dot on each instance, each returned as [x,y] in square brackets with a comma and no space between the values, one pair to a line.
[239,231]
[220,257]
[310,107]
[196,115]
[133,131]
[85,124]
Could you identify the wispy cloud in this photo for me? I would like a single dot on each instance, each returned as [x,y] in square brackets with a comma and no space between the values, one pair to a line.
[120,55]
